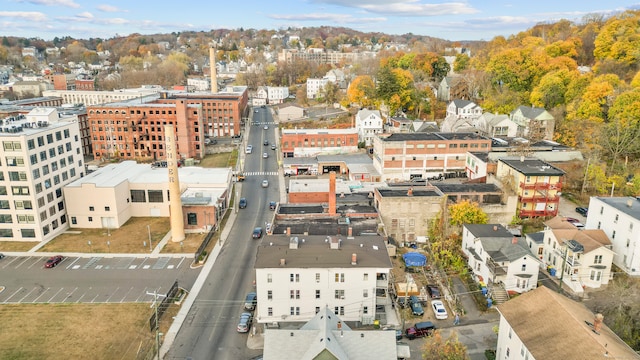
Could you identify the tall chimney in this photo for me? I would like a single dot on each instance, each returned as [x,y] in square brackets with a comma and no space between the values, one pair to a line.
[175,205]
[354,259]
[332,193]
[597,322]
[214,74]
[350,232]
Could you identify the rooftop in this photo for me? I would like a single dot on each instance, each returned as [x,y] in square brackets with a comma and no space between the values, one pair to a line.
[436,136]
[322,252]
[532,167]
[627,205]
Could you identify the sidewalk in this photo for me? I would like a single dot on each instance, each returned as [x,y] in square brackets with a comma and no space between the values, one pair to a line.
[471,314]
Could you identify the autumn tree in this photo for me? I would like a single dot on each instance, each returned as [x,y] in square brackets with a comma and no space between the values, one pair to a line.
[362,91]
[437,348]
[467,212]
[461,63]
[621,134]
[130,63]
[618,39]
[550,91]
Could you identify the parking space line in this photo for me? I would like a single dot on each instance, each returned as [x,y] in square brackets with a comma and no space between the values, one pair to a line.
[144,293]
[12,295]
[44,292]
[55,294]
[125,295]
[37,261]
[94,298]
[70,294]
[23,261]
[109,298]
[81,296]
[29,293]
[180,263]
[9,262]
[72,263]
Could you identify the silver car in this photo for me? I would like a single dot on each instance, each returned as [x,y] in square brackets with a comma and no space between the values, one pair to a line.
[245,322]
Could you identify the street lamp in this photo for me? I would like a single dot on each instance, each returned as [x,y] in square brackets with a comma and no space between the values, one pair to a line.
[149,231]
[108,246]
[89,243]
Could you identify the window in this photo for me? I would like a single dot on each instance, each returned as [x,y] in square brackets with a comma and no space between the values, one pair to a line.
[339,277]
[107,208]
[365,277]
[597,259]
[365,310]
[74,221]
[155,196]
[338,310]
[317,277]
[616,219]
[269,278]
[317,294]
[317,309]
[138,196]
[192,219]
[292,294]
[524,267]
[595,275]
[339,294]
[91,208]
[365,293]
[269,295]
[270,311]
[28,233]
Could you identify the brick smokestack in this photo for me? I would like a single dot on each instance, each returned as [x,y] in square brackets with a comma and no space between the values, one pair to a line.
[332,193]
[175,205]
[214,73]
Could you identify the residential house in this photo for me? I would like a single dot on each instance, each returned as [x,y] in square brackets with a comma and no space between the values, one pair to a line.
[315,87]
[368,124]
[452,87]
[277,94]
[498,258]
[29,51]
[535,241]
[534,123]
[619,218]
[406,156]
[297,276]
[327,336]
[536,183]
[496,125]
[585,256]
[543,324]
[478,166]
[290,111]
[463,109]
[398,125]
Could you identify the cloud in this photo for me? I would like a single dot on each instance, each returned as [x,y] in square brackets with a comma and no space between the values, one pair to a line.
[405,7]
[109,8]
[68,3]
[85,15]
[29,15]
[326,17]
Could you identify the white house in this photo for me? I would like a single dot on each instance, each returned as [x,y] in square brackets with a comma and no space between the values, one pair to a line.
[619,218]
[543,324]
[463,109]
[368,124]
[296,276]
[476,165]
[494,125]
[315,87]
[277,94]
[584,254]
[496,256]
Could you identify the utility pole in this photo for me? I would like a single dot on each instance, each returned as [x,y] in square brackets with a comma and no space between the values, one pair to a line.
[157,326]
[584,181]
[564,262]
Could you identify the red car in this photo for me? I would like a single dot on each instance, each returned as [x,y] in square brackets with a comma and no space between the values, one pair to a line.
[53,261]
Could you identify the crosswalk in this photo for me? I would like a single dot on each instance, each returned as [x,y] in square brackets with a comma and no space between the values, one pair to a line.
[263,123]
[261,173]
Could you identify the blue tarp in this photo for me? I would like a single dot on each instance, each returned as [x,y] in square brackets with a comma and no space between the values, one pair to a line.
[414,259]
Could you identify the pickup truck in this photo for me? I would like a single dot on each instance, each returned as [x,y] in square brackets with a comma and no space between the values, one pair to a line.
[420,329]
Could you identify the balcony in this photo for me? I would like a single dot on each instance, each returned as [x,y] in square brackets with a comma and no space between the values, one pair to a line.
[539,198]
[541,186]
[535,213]
[496,269]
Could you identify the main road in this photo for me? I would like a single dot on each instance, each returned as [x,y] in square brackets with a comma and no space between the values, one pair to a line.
[209,331]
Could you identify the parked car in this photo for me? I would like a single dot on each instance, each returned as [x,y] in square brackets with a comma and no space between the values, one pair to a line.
[273,146]
[582,211]
[257,233]
[265,183]
[434,291]
[1,256]
[439,310]
[265,155]
[245,322]
[420,329]
[416,307]
[243,203]
[256,110]
[249,149]
[575,222]
[53,261]
[272,205]
[250,301]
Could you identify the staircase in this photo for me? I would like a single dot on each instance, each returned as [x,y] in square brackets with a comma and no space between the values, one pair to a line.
[498,294]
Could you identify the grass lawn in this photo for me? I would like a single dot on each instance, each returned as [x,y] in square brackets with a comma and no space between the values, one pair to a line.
[129,238]
[220,160]
[78,331]
[17,245]
[190,244]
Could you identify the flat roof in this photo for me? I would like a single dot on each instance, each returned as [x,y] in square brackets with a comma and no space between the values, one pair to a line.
[319,131]
[403,192]
[622,204]
[441,136]
[316,252]
[532,167]
[308,185]
[470,187]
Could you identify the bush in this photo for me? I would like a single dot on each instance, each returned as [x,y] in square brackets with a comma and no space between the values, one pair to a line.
[490,354]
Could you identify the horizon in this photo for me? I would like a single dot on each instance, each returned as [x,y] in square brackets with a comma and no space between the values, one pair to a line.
[471,20]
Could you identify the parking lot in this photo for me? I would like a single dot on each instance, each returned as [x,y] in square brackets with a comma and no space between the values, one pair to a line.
[98,279]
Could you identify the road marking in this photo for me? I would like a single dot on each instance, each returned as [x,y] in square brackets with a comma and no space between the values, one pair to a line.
[109,298]
[69,295]
[27,295]
[180,263]
[12,295]
[80,298]
[144,293]
[75,267]
[44,292]
[132,267]
[25,260]
[55,294]
[146,267]
[98,267]
[72,265]
[125,295]
[170,267]
[94,298]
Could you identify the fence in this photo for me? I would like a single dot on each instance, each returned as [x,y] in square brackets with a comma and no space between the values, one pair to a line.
[163,306]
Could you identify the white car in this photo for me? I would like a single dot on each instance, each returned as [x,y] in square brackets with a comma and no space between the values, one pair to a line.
[266,127]
[265,155]
[265,183]
[249,149]
[439,310]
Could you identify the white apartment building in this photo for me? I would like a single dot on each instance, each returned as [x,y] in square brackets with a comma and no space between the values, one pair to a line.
[89,98]
[40,154]
[198,84]
[277,94]
[368,124]
[315,87]
[619,218]
[297,276]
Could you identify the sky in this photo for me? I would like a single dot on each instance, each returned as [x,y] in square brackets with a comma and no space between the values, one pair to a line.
[450,20]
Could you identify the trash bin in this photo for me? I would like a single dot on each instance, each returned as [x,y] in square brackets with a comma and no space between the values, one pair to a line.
[552,271]
[484,291]
[376,324]
[489,303]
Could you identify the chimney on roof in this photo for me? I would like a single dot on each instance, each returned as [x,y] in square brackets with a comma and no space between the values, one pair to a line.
[282,262]
[214,74]
[332,193]
[597,322]
[495,227]
[350,232]
[514,240]
[629,202]
[288,231]
[410,191]
[354,259]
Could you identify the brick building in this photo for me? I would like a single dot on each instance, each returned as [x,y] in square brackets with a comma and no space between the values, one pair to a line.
[311,142]
[406,156]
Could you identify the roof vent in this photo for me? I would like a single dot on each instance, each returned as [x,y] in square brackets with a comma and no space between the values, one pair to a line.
[629,202]
[293,243]
[282,262]
[354,259]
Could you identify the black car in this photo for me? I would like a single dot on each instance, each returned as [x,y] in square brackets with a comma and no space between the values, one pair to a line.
[582,211]
[243,203]
[265,143]
[434,291]
[272,205]
[257,233]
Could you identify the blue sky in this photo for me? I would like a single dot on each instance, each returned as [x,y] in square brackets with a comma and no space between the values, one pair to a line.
[450,20]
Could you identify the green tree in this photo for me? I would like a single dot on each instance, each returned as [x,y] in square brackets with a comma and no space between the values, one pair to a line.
[467,212]
[437,348]
[130,63]
[552,88]
[461,63]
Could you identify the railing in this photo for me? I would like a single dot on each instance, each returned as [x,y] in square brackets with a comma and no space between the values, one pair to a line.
[540,198]
[541,186]
[528,213]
